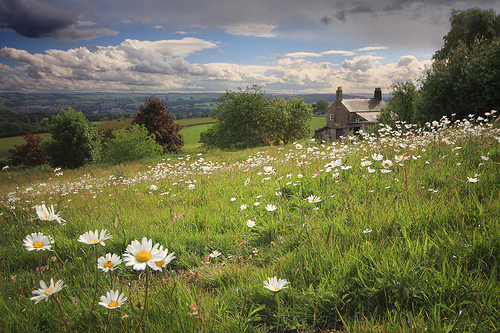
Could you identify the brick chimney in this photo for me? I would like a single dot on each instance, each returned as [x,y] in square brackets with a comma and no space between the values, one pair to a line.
[378,94]
[339,94]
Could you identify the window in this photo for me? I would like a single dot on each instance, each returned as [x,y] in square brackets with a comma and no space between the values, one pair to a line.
[331,116]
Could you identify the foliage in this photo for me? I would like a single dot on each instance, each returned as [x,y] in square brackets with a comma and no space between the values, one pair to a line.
[467,82]
[247,118]
[130,144]
[160,123]
[320,106]
[30,153]
[471,28]
[74,141]
[14,124]
[403,105]
[106,129]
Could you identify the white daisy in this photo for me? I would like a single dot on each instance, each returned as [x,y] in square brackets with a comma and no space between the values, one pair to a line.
[268,170]
[113,299]
[93,237]
[108,262]
[271,208]
[48,214]
[38,241]
[243,207]
[215,254]
[251,223]
[167,258]
[275,285]
[46,291]
[138,255]
[313,199]
[387,164]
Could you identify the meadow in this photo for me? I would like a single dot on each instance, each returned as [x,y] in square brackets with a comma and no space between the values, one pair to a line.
[395,231]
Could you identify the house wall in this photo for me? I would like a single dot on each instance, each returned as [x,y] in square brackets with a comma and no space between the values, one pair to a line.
[340,115]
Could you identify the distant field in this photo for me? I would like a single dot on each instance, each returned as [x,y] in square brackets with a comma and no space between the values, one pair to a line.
[191,131]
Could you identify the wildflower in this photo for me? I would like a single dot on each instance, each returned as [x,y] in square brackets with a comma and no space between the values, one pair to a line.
[243,207]
[251,223]
[93,237]
[256,203]
[313,199]
[370,170]
[387,164]
[271,208]
[367,231]
[45,214]
[377,157]
[138,255]
[153,187]
[485,158]
[46,291]
[38,241]
[113,299]
[191,186]
[346,167]
[300,175]
[385,170]
[167,258]
[215,254]
[366,163]
[247,181]
[275,285]
[472,180]
[233,199]
[269,170]
[298,146]
[108,262]
[5,167]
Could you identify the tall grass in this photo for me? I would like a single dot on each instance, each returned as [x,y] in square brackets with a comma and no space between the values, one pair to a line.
[411,250]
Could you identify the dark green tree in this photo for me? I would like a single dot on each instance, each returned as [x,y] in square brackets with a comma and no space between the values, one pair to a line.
[74,141]
[320,106]
[288,120]
[160,123]
[471,28]
[403,105]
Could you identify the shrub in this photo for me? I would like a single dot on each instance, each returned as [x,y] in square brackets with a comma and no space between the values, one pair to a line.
[31,153]
[131,144]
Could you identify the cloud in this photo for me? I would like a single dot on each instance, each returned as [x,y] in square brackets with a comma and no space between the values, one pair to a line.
[302,54]
[36,19]
[251,29]
[372,48]
[339,52]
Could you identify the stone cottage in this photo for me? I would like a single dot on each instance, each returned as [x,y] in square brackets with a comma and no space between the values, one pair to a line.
[350,114]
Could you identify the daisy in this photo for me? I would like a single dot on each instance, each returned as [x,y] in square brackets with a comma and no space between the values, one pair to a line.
[108,262]
[313,199]
[93,237]
[385,170]
[46,291]
[167,258]
[367,231]
[377,157]
[256,203]
[215,254]
[366,163]
[139,255]
[45,214]
[271,208]
[472,180]
[298,146]
[387,164]
[191,186]
[251,223]
[275,285]
[268,170]
[243,207]
[370,170]
[113,299]
[38,241]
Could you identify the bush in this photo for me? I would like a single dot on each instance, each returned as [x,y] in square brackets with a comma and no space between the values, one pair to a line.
[74,141]
[131,144]
[31,153]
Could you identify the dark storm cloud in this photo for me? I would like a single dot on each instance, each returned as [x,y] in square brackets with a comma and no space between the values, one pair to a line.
[36,19]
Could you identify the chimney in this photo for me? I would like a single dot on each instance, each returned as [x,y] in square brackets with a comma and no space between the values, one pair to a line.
[378,94]
[339,94]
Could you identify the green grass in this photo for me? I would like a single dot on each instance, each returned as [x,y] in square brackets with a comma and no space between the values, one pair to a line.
[412,250]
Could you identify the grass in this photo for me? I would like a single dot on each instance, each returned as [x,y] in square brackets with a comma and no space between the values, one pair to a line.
[411,250]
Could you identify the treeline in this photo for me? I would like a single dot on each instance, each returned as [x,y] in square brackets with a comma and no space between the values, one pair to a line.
[15,124]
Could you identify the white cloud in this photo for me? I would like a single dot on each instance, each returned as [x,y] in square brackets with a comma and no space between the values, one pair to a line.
[302,54]
[251,29]
[372,48]
[339,52]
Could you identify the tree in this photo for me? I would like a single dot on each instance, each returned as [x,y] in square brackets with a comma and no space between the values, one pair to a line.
[107,129]
[247,118]
[130,144]
[160,123]
[320,106]
[238,116]
[31,153]
[472,27]
[403,105]
[74,141]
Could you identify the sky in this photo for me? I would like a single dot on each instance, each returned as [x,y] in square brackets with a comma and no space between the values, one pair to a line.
[162,46]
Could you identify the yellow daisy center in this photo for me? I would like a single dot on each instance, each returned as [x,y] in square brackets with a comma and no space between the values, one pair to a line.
[143,256]
[108,264]
[95,240]
[113,304]
[160,263]
[47,291]
[276,288]
[37,245]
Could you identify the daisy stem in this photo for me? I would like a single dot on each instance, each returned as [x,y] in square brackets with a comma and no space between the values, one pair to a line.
[279,314]
[96,285]
[145,299]
[62,312]
[65,267]
[111,278]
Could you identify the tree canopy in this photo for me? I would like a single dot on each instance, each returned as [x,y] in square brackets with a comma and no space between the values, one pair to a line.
[160,123]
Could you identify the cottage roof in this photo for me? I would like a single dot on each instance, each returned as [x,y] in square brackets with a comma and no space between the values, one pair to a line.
[363,104]
[370,116]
